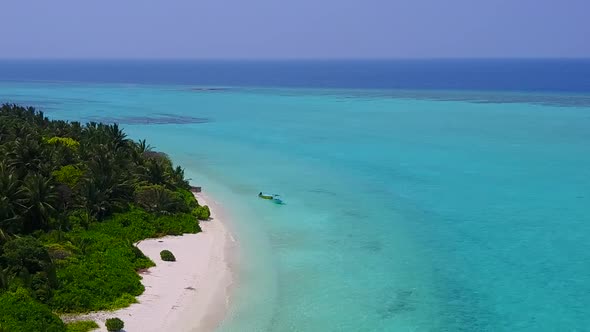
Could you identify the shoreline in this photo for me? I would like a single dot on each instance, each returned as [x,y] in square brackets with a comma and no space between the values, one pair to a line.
[191,294]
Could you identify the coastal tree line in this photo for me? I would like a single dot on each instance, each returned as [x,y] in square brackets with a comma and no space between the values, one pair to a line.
[74,198]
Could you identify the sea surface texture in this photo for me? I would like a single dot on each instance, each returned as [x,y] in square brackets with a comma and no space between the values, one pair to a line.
[420,195]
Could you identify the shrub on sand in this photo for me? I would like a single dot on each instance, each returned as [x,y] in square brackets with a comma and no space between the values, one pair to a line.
[114,324]
[167,256]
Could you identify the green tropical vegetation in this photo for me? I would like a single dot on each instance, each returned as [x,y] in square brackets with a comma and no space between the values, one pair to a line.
[74,199]
[167,255]
[20,312]
[202,212]
[81,326]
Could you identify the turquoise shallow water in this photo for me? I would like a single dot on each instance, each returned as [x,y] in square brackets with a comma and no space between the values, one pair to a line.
[406,211]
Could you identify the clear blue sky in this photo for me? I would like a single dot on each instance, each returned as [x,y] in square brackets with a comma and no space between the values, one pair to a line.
[294,28]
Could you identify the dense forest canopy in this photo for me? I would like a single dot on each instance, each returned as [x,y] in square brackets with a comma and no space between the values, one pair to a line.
[73,200]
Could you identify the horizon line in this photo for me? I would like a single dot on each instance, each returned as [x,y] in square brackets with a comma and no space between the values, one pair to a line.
[278,59]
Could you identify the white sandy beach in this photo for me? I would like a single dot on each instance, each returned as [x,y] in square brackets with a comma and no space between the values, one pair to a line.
[191,294]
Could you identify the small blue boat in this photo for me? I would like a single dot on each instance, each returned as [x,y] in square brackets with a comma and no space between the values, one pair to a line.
[265,195]
[274,197]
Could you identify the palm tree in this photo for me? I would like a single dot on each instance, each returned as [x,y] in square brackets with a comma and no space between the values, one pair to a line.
[158,199]
[11,200]
[94,201]
[177,178]
[156,172]
[94,134]
[117,137]
[38,117]
[106,187]
[39,198]
[25,155]
[137,161]
[142,146]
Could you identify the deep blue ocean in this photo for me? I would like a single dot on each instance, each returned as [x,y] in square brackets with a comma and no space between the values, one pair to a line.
[551,75]
[422,195]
